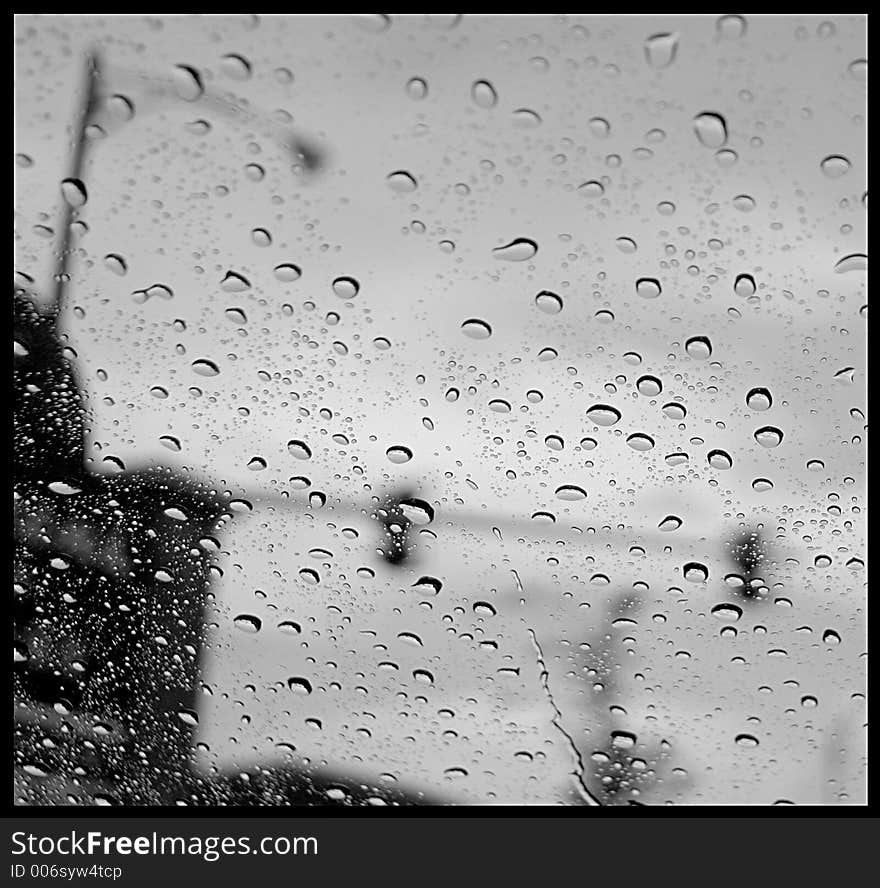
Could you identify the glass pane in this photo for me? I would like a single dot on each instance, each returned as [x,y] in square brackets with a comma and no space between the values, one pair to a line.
[472,409]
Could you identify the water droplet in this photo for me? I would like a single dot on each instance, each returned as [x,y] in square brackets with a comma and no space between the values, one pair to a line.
[299,449]
[417,511]
[116,264]
[660,49]
[256,464]
[592,188]
[858,70]
[694,572]
[711,129]
[236,315]
[762,485]
[835,165]
[410,638]
[548,302]
[674,410]
[518,250]
[768,436]
[649,386]
[759,399]
[483,94]
[599,127]
[746,740]
[402,182]
[525,118]
[570,492]
[852,262]
[74,192]
[235,67]
[289,627]
[204,367]
[484,609]
[698,347]
[188,717]
[417,88]
[299,685]
[158,392]
[287,272]
[648,288]
[261,237]
[427,586]
[744,285]
[730,27]
[626,245]
[720,459]
[474,328]
[399,454]
[729,613]
[346,287]
[554,442]
[187,83]
[170,442]
[830,637]
[745,203]
[248,623]
[234,283]
[603,415]
[670,523]
[310,575]
[640,441]
[499,405]
[623,739]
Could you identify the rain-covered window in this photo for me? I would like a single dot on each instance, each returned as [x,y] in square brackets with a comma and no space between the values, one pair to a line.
[439,409]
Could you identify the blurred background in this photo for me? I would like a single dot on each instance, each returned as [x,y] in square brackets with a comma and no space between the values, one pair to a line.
[440,409]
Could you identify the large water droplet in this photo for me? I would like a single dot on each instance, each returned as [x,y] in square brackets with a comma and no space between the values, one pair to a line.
[698,347]
[719,459]
[835,165]
[648,288]
[852,262]
[234,282]
[570,492]
[759,399]
[204,367]
[603,415]
[548,302]
[694,572]
[346,287]
[711,129]
[187,83]
[660,49]
[74,192]
[649,386]
[399,454]
[299,449]
[483,94]
[474,328]
[402,182]
[518,250]
[769,436]
[248,623]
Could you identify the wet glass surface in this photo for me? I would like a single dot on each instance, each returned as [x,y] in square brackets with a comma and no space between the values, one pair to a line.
[440,410]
